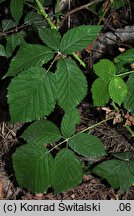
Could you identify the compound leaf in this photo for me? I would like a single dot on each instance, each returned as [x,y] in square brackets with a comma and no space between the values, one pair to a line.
[117,173]
[105,69]
[33,167]
[71,83]
[129,100]
[27,56]
[16,9]
[67,171]
[78,38]
[42,132]
[117,90]
[50,37]
[87,145]
[69,121]
[100,92]
[32,95]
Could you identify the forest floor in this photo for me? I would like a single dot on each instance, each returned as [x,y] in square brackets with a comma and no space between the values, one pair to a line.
[114,136]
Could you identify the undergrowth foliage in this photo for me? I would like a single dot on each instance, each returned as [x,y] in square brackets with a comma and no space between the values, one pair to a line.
[51,155]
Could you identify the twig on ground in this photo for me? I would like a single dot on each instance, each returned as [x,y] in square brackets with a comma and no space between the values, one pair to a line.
[76,10]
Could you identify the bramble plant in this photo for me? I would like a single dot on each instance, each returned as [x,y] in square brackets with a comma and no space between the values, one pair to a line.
[35,89]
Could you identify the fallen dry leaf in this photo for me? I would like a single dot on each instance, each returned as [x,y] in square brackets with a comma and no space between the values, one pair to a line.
[1,190]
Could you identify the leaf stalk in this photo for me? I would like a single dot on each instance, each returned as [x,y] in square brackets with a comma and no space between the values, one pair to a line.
[126,73]
[43,13]
[86,129]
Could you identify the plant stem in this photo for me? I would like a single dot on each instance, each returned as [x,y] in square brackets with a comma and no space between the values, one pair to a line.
[95,125]
[130,130]
[115,107]
[43,13]
[52,63]
[79,60]
[86,129]
[126,73]
[65,140]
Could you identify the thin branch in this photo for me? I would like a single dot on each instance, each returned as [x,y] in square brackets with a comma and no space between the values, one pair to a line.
[16,29]
[78,9]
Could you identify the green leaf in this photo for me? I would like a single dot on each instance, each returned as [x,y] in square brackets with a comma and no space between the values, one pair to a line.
[33,167]
[2,51]
[8,24]
[67,171]
[126,56]
[116,172]
[129,101]
[32,95]
[42,132]
[16,9]
[13,41]
[124,155]
[69,121]
[105,69]
[35,19]
[121,68]
[109,170]
[100,92]
[117,90]
[78,38]
[50,37]
[87,145]
[123,60]
[131,166]
[126,176]
[71,84]
[27,56]
[117,4]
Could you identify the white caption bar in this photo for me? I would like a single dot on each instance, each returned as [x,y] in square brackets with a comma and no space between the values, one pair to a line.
[66,207]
